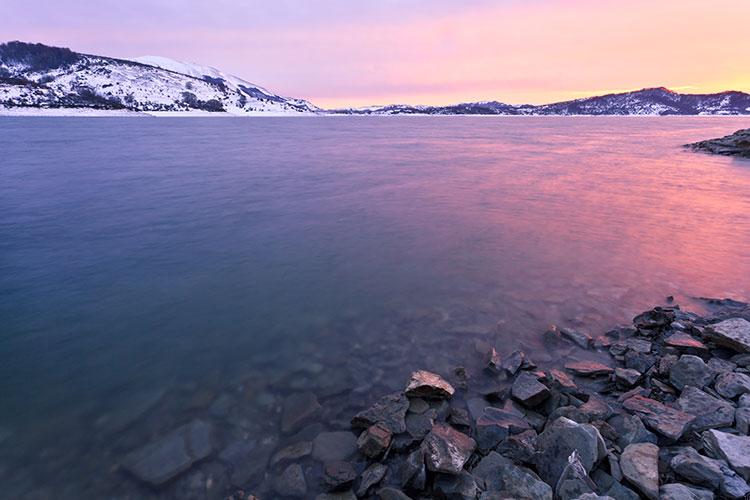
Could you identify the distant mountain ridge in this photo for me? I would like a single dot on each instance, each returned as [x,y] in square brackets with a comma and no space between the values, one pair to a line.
[40,76]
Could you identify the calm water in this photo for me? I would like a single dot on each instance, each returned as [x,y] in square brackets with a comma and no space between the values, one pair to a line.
[144,262]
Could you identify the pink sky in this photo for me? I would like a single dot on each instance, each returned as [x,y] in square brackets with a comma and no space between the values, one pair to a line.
[339,53]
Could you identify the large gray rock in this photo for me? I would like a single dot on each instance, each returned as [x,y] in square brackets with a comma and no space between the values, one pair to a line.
[247,459]
[559,440]
[390,411]
[734,449]
[733,333]
[678,491]
[495,425]
[495,473]
[298,410]
[461,486]
[710,412]
[742,417]
[424,384]
[659,417]
[640,466]
[696,468]
[690,370]
[164,459]
[447,450]
[333,446]
[574,480]
[732,384]
[732,485]
[370,477]
[528,390]
[630,429]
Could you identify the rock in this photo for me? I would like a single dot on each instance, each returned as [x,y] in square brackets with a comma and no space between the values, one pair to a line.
[513,363]
[640,466]
[419,425]
[742,418]
[579,338]
[495,473]
[732,485]
[528,390]
[495,424]
[333,446]
[594,496]
[291,482]
[736,144]
[640,346]
[608,485]
[339,476]
[629,429]
[418,406]
[574,480]
[734,449]
[733,333]
[696,468]
[710,412]
[164,459]
[412,472]
[677,491]
[690,370]
[390,411]
[732,384]
[639,361]
[519,448]
[292,452]
[370,477]
[343,495]
[247,459]
[658,417]
[374,441]
[461,486]
[559,440]
[459,417]
[424,384]
[656,318]
[392,494]
[560,380]
[588,368]
[447,450]
[627,377]
[493,360]
[298,410]
[685,341]
[718,365]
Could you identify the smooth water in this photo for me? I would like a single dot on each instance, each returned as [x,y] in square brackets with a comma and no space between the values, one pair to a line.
[145,262]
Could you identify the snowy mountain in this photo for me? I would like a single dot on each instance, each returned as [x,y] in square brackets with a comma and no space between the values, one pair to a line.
[35,75]
[654,101]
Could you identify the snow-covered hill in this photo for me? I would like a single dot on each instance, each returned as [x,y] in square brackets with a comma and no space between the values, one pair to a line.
[35,75]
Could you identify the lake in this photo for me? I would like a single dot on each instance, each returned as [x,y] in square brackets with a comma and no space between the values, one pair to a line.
[153,271]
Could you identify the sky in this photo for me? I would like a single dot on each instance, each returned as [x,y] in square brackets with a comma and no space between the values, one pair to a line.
[339,53]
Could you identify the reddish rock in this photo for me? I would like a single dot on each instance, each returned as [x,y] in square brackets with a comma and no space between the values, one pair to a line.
[446,450]
[659,417]
[588,368]
[424,384]
[374,440]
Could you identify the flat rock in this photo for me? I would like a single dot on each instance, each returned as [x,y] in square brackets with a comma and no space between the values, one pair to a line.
[164,459]
[696,468]
[333,446]
[684,341]
[528,390]
[659,417]
[561,438]
[374,440]
[390,411]
[298,410]
[292,452]
[678,491]
[496,424]
[640,466]
[371,476]
[629,429]
[732,384]
[734,449]
[291,482]
[495,473]
[579,338]
[424,384]
[690,370]
[733,333]
[513,362]
[588,368]
[447,450]
[627,377]
[710,412]
[561,380]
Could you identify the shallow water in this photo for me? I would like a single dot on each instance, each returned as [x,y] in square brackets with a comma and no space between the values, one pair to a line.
[146,263]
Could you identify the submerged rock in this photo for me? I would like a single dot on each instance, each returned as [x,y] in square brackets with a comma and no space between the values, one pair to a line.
[298,410]
[333,446]
[447,450]
[339,475]
[640,466]
[247,459]
[424,384]
[291,482]
[370,477]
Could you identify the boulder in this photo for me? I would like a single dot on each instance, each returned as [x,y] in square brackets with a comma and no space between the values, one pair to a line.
[528,390]
[389,411]
[732,384]
[574,480]
[732,485]
[333,446]
[640,466]
[733,333]
[559,440]
[495,473]
[298,410]
[678,491]
[656,318]
[424,384]
[690,370]
[629,429]
[588,368]
[446,450]
[496,424]
[734,449]
[291,482]
[696,468]
[710,412]
[164,459]
[659,417]
[374,440]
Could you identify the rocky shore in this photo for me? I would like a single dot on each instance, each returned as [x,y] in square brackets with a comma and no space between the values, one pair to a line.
[659,408]
[736,144]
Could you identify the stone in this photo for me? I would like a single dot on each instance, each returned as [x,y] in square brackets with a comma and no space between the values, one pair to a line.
[630,429]
[446,450]
[696,468]
[718,365]
[732,384]
[339,476]
[493,360]
[609,486]
[677,491]
[166,458]
[588,368]
[659,417]
[513,362]
[690,370]
[495,424]
[495,473]
[744,401]
[389,493]
[298,410]
[710,412]
[459,417]
[461,486]
[292,452]
[560,380]
[574,480]
[291,482]
[418,406]
[685,342]
[733,333]
[640,346]
[734,449]
[559,440]
[639,361]
[594,496]
[247,459]
[640,466]
[520,448]
[419,425]
[412,472]
[424,384]
[581,339]
[389,411]
[370,477]
[333,446]
[742,419]
[528,390]
[656,318]
[732,485]
[374,441]
[627,377]
[342,495]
